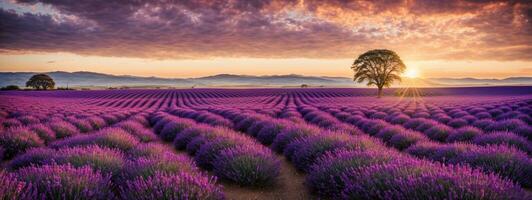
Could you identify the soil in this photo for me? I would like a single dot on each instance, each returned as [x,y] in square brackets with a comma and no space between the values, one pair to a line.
[290,185]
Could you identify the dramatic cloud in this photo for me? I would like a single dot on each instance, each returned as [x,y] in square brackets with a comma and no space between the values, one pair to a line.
[418,29]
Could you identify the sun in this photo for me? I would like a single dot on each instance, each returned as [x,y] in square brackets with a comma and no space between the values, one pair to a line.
[411,73]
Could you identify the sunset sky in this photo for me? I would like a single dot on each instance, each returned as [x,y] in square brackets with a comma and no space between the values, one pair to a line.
[191,38]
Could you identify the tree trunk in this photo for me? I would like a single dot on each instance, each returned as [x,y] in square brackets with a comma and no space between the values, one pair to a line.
[380,92]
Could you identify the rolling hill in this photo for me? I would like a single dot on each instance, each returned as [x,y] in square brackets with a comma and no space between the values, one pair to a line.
[92,79]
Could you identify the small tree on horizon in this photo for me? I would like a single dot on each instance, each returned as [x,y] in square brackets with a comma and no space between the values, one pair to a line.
[379,67]
[41,82]
[10,87]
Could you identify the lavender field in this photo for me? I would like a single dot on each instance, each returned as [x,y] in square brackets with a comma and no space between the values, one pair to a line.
[450,143]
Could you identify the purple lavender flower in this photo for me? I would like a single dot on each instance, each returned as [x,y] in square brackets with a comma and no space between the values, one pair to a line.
[195,144]
[354,119]
[66,182]
[141,119]
[174,127]
[17,140]
[379,115]
[96,122]
[410,179]
[172,186]
[210,150]
[268,133]
[388,132]
[304,151]
[483,115]
[186,136]
[291,133]
[424,149]
[457,122]
[513,125]
[35,156]
[28,119]
[426,124]
[12,187]
[503,160]
[148,150]
[508,124]
[108,137]
[484,124]
[373,127]
[413,123]
[405,139]
[82,125]
[439,132]
[249,165]
[464,134]
[400,119]
[44,132]
[246,123]
[324,176]
[11,123]
[138,130]
[507,138]
[108,161]
[109,118]
[63,129]
[448,152]
[255,128]
[168,163]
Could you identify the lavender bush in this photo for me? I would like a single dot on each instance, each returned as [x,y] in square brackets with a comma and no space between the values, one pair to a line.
[13,188]
[172,186]
[464,134]
[109,137]
[66,182]
[247,165]
[17,140]
[63,129]
[114,144]
[507,138]
[422,180]
[324,177]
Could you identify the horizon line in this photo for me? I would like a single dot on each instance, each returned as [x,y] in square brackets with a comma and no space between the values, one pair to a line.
[259,75]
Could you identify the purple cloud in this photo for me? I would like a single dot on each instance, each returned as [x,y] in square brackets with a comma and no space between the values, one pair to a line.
[420,29]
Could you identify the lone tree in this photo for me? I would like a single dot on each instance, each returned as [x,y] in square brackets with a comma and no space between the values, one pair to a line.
[41,82]
[379,67]
[10,87]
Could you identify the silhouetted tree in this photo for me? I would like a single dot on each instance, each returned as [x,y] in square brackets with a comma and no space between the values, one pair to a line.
[379,67]
[10,87]
[41,82]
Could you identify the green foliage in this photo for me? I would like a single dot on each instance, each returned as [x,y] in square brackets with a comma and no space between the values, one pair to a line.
[41,82]
[379,67]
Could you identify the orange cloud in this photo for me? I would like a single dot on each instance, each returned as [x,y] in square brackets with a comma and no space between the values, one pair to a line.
[417,29]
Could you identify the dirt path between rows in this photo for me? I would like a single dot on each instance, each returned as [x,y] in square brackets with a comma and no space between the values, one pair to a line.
[290,184]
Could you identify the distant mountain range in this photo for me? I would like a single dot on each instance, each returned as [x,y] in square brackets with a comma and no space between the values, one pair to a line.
[91,79]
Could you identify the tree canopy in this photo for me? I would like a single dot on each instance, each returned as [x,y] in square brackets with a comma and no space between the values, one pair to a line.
[10,87]
[41,82]
[379,67]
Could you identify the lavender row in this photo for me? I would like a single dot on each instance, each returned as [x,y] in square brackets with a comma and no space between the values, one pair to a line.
[231,156]
[115,162]
[481,132]
[500,158]
[334,160]
[17,139]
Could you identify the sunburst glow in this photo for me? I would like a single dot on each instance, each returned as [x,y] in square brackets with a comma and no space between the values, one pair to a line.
[411,73]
